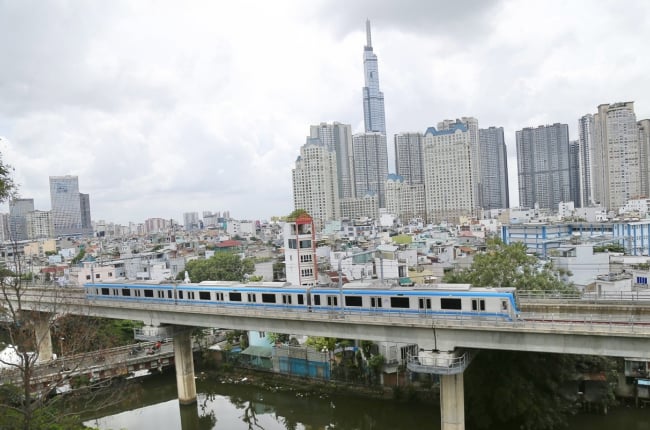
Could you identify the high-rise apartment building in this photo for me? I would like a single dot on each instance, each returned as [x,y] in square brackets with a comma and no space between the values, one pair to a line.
[408,157]
[66,205]
[617,155]
[370,164]
[644,148]
[405,200]
[39,225]
[574,171]
[84,205]
[373,99]
[450,192]
[191,221]
[585,155]
[543,166]
[493,159]
[156,225]
[18,210]
[337,137]
[315,182]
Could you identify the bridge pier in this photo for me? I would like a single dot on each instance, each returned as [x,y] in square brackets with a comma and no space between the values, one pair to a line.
[452,402]
[41,323]
[184,363]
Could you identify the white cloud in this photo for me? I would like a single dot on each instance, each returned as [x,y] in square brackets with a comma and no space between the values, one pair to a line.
[162,109]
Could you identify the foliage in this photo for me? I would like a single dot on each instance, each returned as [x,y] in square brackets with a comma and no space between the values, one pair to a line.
[509,266]
[278,337]
[610,247]
[77,258]
[523,390]
[222,266]
[321,343]
[255,278]
[295,214]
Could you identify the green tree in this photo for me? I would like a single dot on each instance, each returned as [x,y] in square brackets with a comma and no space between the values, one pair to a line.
[523,390]
[295,214]
[222,266]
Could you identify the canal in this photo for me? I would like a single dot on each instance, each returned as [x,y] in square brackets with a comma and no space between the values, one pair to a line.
[237,405]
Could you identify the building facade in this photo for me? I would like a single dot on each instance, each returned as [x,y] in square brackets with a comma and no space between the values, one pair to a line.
[315,182]
[301,263]
[39,225]
[574,172]
[374,116]
[543,166]
[585,156]
[404,200]
[337,137]
[493,157]
[360,207]
[66,205]
[370,165]
[408,157]
[18,210]
[450,192]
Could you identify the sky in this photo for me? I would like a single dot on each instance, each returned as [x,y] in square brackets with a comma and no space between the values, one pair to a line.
[165,107]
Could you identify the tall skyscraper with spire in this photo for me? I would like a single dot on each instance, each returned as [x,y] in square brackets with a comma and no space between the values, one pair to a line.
[373,99]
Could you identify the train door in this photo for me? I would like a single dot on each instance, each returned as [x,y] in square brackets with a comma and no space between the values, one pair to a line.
[376,303]
[478,305]
[332,301]
[424,305]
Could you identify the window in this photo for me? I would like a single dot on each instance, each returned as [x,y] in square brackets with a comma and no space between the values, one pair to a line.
[106,292]
[316,300]
[453,304]
[169,294]
[399,302]
[252,298]
[262,334]
[375,302]
[204,295]
[126,292]
[478,304]
[301,299]
[190,295]
[110,274]
[293,244]
[307,272]
[268,298]
[161,294]
[138,293]
[353,301]
[87,277]
[424,303]
[286,299]
[332,301]
[234,297]
[219,296]
[96,275]
[148,293]
[305,244]
[306,258]
[114,293]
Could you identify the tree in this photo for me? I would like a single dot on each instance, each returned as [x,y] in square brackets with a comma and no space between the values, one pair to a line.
[522,390]
[222,266]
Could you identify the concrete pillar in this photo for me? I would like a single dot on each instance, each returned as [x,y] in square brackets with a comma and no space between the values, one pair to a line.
[43,337]
[189,417]
[452,402]
[184,363]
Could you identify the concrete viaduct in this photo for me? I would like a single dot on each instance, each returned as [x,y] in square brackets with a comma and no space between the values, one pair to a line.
[609,329]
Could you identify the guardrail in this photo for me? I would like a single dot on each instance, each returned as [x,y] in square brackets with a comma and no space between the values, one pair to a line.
[438,363]
[642,296]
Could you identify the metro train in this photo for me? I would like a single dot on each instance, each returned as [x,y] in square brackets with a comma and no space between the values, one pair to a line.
[439,300]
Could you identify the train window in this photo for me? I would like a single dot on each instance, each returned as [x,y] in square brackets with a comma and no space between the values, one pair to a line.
[190,295]
[504,305]
[375,302]
[478,304]
[332,301]
[316,300]
[126,292]
[138,293]
[454,304]
[169,294]
[286,299]
[301,299]
[252,297]
[400,302]
[353,301]
[219,296]
[234,297]
[204,295]
[148,293]
[268,298]
[106,292]
[161,294]
[424,303]
[114,293]
[180,294]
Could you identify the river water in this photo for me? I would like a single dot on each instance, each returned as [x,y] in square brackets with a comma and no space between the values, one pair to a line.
[235,405]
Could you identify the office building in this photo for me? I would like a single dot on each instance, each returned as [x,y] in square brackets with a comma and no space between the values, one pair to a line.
[543,166]
[315,182]
[374,116]
[66,206]
[18,210]
[450,192]
[493,158]
[370,164]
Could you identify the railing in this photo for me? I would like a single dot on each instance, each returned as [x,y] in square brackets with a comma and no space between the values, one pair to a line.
[642,296]
[438,363]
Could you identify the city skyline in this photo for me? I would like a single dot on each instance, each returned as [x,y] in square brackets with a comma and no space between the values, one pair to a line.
[212,115]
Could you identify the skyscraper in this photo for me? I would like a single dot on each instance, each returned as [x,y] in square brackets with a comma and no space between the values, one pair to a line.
[408,157]
[543,166]
[617,155]
[84,206]
[585,155]
[337,137]
[374,116]
[370,164]
[66,205]
[18,210]
[494,190]
[315,182]
[449,190]
[574,171]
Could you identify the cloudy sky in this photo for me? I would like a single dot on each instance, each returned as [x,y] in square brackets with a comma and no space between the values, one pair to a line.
[165,107]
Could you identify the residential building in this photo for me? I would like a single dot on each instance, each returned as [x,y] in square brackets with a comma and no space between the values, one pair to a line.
[493,160]
[575,194]
[337,137]
[370,164]
[39,225]
[374,116]
[586,153]
[644,151]
[315,182]
[405,200]
[191,221]
[408,157]
[66,205]
[543,166]
[300,260]
[18,210]
[156,225]
[617,155]
[473,135]
[360,207]
[448,182]
[84,206]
